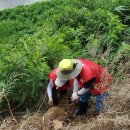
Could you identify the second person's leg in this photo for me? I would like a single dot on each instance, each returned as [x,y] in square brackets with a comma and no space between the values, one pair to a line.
[83,103]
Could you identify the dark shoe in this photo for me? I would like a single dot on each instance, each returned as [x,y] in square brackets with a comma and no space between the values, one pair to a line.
[82,109]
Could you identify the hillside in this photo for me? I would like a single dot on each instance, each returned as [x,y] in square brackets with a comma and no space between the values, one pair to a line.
[34,38]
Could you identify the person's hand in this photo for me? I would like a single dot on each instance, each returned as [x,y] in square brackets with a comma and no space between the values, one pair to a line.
[50,102]
[74,96]
[57,87]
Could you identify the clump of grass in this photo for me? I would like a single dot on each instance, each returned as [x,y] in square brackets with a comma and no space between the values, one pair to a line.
[5,90]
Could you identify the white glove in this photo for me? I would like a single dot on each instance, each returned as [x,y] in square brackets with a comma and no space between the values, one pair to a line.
[50,102]
[74,96]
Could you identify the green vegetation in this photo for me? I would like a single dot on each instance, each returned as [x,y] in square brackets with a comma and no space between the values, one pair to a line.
[34,38]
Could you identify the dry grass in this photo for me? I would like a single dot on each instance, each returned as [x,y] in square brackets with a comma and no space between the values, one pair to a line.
[8,124]
[118,118]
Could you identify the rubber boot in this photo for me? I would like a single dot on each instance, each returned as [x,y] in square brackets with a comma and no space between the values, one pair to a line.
[82,108]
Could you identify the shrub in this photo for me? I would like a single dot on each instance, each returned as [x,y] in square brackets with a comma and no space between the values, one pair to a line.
[35,38]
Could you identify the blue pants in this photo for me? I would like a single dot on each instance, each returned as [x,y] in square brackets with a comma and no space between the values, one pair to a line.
[99,100]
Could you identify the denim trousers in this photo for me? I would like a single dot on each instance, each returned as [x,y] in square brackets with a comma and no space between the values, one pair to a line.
[102,100]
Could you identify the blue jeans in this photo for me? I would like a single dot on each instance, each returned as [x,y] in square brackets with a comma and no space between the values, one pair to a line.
[99,100]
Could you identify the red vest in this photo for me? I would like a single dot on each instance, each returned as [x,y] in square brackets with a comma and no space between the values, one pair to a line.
[90,70]
[52,75]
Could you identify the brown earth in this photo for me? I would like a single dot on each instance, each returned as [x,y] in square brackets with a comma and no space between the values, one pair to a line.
[54,118]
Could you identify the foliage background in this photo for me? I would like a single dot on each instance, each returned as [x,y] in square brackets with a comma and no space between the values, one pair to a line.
[34,38]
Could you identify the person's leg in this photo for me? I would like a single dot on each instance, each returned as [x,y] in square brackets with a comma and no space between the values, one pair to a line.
[102,102]
[83,103]
[55,96]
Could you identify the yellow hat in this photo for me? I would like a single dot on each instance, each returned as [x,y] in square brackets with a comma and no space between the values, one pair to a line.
[66,64]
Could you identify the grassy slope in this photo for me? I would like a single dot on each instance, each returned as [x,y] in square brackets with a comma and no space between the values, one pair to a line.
[35,38]
[30,20]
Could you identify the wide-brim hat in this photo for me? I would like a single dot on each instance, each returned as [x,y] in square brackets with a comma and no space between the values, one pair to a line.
[62,78]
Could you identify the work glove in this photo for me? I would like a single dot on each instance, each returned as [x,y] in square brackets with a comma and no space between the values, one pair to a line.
[74,96]
[50,102]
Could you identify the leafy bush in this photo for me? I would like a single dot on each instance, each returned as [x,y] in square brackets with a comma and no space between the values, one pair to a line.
[30,60]
[32,71]
[36,37]
[79,29]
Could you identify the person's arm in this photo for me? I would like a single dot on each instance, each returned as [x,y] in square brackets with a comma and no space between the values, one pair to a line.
[49,89]
[87,86]
[76,86]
